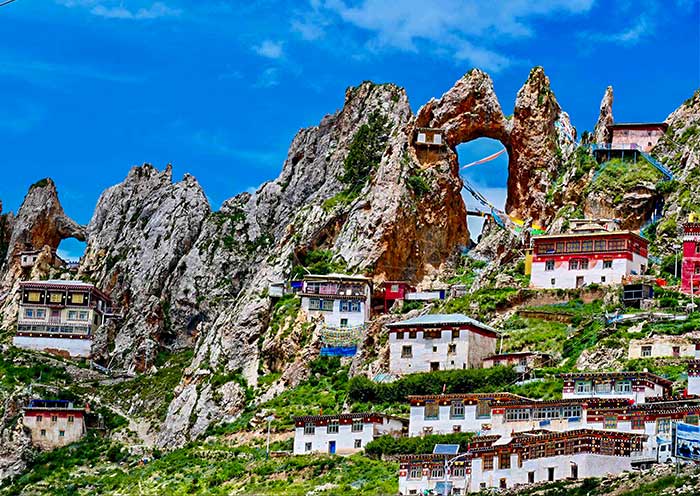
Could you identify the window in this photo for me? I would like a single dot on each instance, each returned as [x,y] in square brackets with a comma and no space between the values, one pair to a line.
[71,419]
[553,281]
[488,463]
[603,388]
[691,419]
[516,414]
[646,351]
[570,411]
[56,297]
[54,418]
[583,387]
[29,313]
[602,278]
[573,246]
[399,335]
[638,422]
[573,264]
[663,426]
[607,264]
[407,351]
[333,427]
[549,265]
[61,433]
[437,473]
[314,304]
[327,305]
[83,316]
[457,409]
[697,247]
[431,411]
[599,245]
[72,315]
[610,423]
[458,471]
[39,418]
[34,296]
[616,245]
[583,264]
[40,313]
[43,432]
[343,322]
[412,334]
[560,247]
[697,268]
[434,349]
[309,428]
[455,334]
[623,387]
[394,288]
[358,443]
[357,425]
[349,306]
[545,248]
[416,472]
[587,245]
[77,298]
[503,462]
[483,409]
[307,447]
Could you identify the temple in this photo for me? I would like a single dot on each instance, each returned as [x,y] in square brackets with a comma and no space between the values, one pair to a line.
[54,423]
[60,316]
[690,270]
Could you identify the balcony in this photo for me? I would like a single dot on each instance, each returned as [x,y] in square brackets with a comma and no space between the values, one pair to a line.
[616,146]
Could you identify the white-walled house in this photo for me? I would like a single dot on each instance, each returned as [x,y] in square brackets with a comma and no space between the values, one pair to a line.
[439,342]
[694,377]
[342,300]
[662,345]
[449,413]
[573,260]
[495,462]
[634,386]
[343,434]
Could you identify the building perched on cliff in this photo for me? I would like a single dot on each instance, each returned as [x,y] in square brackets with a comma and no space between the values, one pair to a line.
[690,269]
[636,387]
[342,434]
[503,462]
[439,342]
[588,255]
[660,346]
[342,300]
[54,423]
[522,361]
[59,316]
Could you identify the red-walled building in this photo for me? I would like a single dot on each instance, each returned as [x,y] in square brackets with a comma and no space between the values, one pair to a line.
[395,290]
[580,258]
[690,270]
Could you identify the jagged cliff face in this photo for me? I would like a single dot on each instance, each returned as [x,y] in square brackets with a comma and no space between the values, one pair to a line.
[40,224]
[601,133]
[138,234]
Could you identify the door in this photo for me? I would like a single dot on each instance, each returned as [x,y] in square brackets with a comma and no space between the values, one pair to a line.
[676,351]
[331,447]
[579,281]
[550,474]
[434,366]
[574,471]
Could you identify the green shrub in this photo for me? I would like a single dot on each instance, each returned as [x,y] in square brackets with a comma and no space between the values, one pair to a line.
[388,445]
[418,184]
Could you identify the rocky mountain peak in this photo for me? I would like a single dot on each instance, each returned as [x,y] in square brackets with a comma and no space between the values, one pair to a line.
[601,134]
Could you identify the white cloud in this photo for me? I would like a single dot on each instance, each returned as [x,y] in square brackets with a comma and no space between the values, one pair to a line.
[270,49]
[466,30]
[642,28]
[110,9]
[52,74]
[269,78]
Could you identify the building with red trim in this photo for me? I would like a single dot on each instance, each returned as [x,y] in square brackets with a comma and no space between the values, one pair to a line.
[503,462]
[439,342]
[343,434]
[690,268]
[577,259]
[54,423]
[395,291]
[60,316]
[522,361]
[636,387]
[694,377]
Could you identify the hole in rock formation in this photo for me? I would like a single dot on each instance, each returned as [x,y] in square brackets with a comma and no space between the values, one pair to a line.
[71,250]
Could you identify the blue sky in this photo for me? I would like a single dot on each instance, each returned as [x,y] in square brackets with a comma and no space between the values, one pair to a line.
[219,88]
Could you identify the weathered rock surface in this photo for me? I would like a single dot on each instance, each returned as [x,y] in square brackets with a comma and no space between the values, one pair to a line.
[40,224]
[601,134]
[140,230]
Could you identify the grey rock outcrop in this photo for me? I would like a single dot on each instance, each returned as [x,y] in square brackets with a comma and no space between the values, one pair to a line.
[601,134]
[140,230]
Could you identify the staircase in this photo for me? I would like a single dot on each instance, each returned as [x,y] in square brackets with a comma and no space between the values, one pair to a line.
[662,168]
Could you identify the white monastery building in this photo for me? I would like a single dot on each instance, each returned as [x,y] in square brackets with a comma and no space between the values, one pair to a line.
[342,434]
[590,254]
[637,387]
[439,342]
[342,300]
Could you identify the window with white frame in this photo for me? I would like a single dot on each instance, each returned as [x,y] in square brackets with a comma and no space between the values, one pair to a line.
[307,447]
[571,411]
[416,472]
[437,473]
[607,264]
[333,427]
[358,443]
[646,351]
[583,387]
[603,388]
[407,351]
[623,387]
[309,428]
[515,414]
[458,471]
[549,265]
[457,410]
[358,425]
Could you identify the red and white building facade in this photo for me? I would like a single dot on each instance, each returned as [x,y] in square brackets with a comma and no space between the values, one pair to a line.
[690,270]
[694,377]
[574,260]
[54,423]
